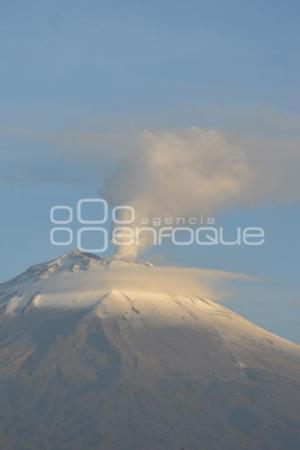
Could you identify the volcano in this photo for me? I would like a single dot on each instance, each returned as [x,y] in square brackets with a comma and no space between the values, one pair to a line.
[89,362]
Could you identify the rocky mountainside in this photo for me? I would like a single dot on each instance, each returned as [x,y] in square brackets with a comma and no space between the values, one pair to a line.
[91,363]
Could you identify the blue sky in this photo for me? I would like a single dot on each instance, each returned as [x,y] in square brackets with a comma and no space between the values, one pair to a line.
[70,69]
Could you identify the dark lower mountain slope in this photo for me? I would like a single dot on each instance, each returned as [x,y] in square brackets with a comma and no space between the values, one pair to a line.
[141,371]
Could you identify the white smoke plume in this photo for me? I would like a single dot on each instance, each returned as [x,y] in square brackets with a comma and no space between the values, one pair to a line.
[168,174]
[189,172]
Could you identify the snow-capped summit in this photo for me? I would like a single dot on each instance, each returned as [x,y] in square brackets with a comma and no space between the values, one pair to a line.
[73,261]
[122,347]
[117,288]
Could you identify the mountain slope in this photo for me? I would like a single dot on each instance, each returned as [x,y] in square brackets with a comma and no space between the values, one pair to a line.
[89,363]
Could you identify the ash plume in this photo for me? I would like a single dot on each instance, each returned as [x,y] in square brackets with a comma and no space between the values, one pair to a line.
[179,174]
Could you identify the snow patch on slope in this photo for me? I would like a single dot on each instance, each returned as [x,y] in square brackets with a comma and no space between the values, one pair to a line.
[80,280]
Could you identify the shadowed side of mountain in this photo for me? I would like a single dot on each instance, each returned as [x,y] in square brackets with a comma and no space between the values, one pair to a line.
[66,384]
[90,362]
